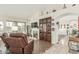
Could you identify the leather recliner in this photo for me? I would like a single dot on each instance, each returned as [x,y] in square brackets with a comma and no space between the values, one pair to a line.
[19,44]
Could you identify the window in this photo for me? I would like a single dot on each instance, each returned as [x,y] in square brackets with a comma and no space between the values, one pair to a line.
[9,24]
[1,25]
[11,27]
[21,24]
[21,27]
[14,28]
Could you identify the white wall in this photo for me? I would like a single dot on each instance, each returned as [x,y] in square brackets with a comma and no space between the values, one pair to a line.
[56,16]
[69,19]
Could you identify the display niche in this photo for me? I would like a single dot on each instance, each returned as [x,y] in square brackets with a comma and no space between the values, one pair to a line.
[34,25]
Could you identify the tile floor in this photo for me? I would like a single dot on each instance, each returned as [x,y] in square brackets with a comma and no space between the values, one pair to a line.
[60,48]
[45,47]
[40,46]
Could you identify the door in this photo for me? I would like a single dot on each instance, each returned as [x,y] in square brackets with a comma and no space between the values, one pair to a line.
[45,29]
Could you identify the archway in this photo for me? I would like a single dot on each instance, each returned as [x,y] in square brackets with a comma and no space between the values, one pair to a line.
[67,23]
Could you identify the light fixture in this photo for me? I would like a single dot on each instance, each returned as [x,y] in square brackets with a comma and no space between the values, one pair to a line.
[54,10]
[74,5]
[64,6]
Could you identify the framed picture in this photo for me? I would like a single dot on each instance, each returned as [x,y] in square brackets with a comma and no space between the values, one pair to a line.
[52,24]
[52,19]
[53,29]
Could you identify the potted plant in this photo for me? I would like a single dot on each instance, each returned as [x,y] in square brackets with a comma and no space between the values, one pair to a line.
[74,32]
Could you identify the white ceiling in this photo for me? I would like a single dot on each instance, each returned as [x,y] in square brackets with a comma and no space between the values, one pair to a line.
[25,10]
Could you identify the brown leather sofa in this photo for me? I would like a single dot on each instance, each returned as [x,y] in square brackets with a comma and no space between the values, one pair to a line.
[19,44]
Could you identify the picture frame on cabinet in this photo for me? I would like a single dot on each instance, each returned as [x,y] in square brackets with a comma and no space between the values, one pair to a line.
[52,19]
[52,24]
[52,29]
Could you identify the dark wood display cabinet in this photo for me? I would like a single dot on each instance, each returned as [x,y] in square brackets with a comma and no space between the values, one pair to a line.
[45,29]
